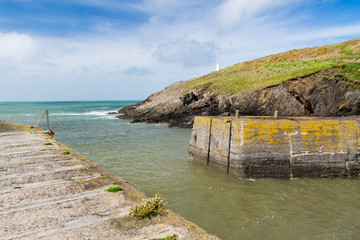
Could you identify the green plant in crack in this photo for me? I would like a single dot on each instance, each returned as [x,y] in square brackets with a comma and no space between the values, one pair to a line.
[173,237]
[114,189]
[149,207]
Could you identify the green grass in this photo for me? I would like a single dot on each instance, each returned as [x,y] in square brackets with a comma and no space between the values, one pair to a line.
[48,143]
[173,237]
[276,69]
[351,74]
[116,183]
[114,189]
[65,153]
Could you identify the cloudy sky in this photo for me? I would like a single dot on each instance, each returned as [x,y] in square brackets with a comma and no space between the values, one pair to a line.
[53,50]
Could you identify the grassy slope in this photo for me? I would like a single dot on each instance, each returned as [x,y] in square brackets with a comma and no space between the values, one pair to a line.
[278,68]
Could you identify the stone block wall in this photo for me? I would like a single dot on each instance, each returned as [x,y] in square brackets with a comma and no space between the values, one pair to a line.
[288,147]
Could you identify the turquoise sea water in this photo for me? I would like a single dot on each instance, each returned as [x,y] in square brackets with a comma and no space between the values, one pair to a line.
[153,158]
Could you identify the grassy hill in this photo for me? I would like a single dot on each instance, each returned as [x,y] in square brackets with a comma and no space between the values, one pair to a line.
[278,68]
[318,81]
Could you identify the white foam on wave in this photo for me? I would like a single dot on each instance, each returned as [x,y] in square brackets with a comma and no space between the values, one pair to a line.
[250,180]
[108,116]
[97,113]
[66,114]
[91,113]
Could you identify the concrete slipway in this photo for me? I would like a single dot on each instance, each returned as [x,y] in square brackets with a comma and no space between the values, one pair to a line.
[47,195]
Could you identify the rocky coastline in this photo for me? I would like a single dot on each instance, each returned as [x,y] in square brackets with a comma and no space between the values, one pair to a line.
[319,81]
[319,94]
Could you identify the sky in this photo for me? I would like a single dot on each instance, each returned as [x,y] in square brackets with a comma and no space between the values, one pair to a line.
[71,50]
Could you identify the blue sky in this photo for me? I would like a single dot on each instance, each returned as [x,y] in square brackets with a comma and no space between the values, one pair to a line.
[128,49]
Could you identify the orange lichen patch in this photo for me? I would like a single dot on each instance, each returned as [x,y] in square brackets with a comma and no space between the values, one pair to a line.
[310,134]
[269,133]
[343,105]
[320,135]
[348,135]
[203,122]
[329,135]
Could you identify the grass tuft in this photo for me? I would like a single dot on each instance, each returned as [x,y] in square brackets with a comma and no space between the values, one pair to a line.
[114,189]
[65,153]
[149,207]
[173,237]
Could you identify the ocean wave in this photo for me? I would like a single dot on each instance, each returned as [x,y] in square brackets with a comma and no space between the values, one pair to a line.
[97,113]
[108,117]
[66,114]
[91,113]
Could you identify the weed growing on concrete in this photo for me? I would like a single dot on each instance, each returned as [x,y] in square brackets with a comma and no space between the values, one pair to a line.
[48,143]
[149,207]
[173,237]
[114,189]
[65,153]
[116,183]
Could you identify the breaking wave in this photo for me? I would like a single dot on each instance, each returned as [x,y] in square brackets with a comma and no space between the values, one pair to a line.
[103,114]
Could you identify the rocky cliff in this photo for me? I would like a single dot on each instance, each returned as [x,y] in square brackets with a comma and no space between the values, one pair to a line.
[319,81]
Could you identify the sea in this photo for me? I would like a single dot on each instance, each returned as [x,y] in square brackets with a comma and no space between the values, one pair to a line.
[153,158]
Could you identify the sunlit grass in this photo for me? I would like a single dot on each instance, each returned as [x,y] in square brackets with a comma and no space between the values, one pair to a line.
[276,69]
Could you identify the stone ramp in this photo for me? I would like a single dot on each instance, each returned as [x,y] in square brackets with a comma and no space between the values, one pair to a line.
[45,194]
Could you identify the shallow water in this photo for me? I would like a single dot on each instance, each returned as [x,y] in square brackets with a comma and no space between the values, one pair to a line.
[153,158]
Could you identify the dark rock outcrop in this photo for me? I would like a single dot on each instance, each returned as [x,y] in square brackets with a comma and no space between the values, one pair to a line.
[319,94]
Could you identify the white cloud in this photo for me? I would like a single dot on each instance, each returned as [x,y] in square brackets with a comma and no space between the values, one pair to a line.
[187,52]
[180,40]
[315,33]
[15,47]
[138,71]
[233,12]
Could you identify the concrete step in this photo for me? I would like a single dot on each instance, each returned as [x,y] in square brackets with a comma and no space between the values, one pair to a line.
[44,213]
[32,159]
[35,166]
[40,176]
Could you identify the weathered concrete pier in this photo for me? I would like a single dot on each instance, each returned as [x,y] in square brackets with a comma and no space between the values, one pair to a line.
[48,191]
[257,147]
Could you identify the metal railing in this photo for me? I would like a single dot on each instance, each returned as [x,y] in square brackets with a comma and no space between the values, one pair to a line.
[49,131]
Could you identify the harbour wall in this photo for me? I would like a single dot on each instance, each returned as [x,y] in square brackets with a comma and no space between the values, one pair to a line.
[49,191]
[248,147]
